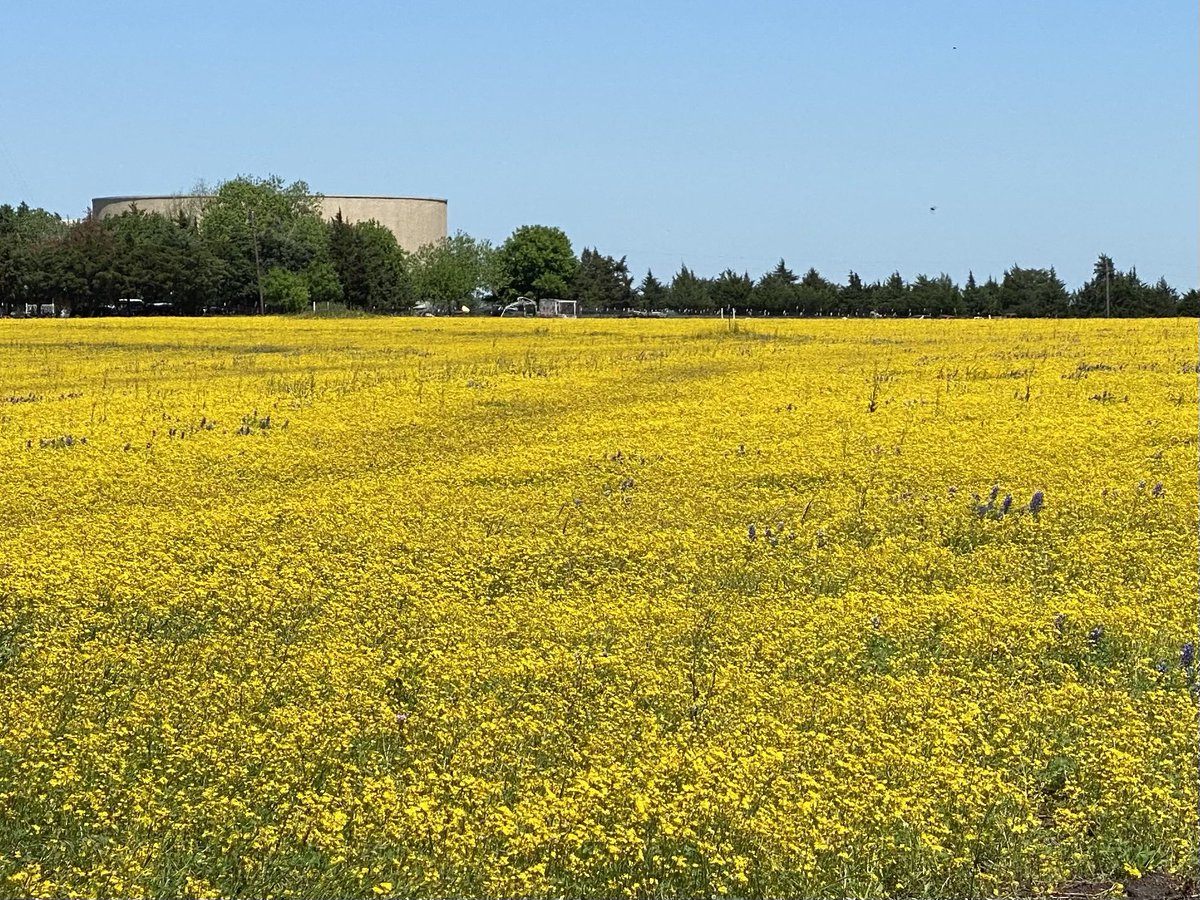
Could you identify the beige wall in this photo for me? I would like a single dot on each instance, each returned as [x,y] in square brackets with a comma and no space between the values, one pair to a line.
[415,221]
[103,207]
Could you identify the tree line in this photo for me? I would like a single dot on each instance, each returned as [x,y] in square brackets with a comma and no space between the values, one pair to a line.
[260,245]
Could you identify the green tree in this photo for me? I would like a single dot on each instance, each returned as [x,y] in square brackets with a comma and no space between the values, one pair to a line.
[970,295]
[989,297]
[602,282]
[285,291]
[731,290]
[78,273]
[815,294]
[254,225]
[1161,299]
[853,299]
[652,294]
[935,296]
[689,292]
[1033,292]
[452,272]
[162,260]
[321,278]
[891,297]
[776,291]
[22,231]
[1111,292]
[536,261]
[1189,304]
[373,270]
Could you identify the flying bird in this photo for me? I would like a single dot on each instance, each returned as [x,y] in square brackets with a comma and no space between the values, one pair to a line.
[933,209]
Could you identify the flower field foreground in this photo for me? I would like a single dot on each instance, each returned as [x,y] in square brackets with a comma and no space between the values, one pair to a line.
[596,608]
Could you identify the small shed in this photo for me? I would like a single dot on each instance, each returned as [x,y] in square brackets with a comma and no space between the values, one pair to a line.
[558,309]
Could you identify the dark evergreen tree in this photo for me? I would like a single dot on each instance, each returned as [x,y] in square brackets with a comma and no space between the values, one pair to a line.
[729,290]
[1189,304]
[934,296]
[1161,299]
[815,295]
[1111,292]
[852,299]
[970,296]
[162,261]
[602,283]
[892,297]
[776,291]
[652,294]
[1033,292]
[989,297]
[22,231]
[689,292]
[372,271]
[78,273]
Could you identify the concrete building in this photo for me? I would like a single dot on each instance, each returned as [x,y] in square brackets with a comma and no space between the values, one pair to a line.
[415,221]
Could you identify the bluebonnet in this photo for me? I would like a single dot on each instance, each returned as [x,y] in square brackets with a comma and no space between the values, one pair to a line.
[994,494]
[1006,504]
[1035,505]
[1158,490]
[1096,634]
[1187,656]
[752,532]
[1162,667]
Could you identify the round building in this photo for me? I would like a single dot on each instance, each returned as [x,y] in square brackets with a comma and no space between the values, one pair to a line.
[415,221]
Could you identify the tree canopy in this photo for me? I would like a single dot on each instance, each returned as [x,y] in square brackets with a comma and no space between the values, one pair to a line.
[536,261]
[261,245]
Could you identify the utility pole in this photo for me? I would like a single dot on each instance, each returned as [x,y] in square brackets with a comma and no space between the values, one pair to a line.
[262,306]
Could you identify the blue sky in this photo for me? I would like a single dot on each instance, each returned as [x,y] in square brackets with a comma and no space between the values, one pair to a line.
[712,134]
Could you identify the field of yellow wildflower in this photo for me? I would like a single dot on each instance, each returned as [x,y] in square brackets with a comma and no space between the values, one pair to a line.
[596,608]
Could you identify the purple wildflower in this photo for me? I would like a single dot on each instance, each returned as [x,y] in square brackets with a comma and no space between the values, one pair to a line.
[1187,656]
[752,531]
[1006,504]
[1035,504]
[994,494]
[1158,490]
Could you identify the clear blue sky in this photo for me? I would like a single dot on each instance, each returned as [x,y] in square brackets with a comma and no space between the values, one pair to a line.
[716,134]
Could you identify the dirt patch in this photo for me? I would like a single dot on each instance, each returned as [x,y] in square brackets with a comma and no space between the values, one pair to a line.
[1151,886]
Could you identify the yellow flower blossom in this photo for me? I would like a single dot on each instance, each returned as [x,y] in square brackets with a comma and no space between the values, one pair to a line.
[595,608]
